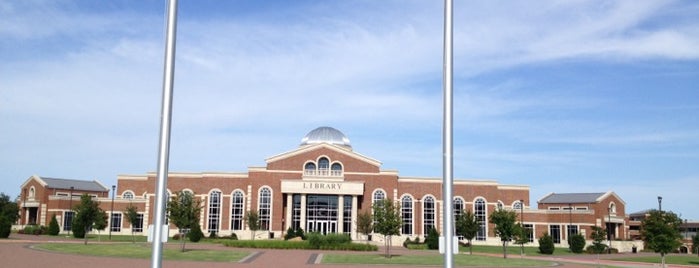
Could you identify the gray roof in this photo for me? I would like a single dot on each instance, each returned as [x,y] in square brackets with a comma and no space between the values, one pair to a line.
[76,184]
[555,198]
[326,135]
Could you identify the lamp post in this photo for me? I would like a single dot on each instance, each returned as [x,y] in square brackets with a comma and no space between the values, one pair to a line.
[111,212]
[660,203]
[609,233]
[70,208]
[521,220]
[570,221]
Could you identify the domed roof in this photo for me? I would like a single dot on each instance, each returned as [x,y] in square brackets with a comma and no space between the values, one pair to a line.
[327,135]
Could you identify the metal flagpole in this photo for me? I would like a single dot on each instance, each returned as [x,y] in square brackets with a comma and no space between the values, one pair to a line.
[165,122]
[447,140]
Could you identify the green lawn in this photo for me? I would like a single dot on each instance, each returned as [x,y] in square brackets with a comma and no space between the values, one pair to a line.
[671,259]
[143,251]
[436,259]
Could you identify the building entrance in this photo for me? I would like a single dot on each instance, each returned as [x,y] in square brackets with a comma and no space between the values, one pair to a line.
[323,227]
[321,213]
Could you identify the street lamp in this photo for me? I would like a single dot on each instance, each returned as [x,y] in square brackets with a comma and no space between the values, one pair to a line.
[70,208]
[570,220]
[660,203]
[521,221]
[609,233]
[111,212]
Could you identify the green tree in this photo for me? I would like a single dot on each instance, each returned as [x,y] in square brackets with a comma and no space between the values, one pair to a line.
[365,224]
[598,236]
[467,226]
[100,224]
[388,221]
[695,244]
[522,237]
[432,239]
[195,234]
[252,218]
[184,209]
[86,213]
[505,226]
[577,243]
[131,214]
[661,232]
[9,214]
[54,229]
[546,244]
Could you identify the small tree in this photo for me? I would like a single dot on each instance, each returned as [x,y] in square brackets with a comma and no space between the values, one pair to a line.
[598,236]
[577,243]
[54,229]
[183,209]
[388,221]
[695,244]
[131,214]
[546,244]
[432,239]
[86,213]
[252,218]
[100,224]
[522,237]
[467,226]
[661,232]
[365,224]
[9,214]
[195,234]
[505,227]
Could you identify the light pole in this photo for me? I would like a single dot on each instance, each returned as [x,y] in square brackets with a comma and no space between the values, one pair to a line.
[111,212]
[521,220]
[70,208]
[660,203]
[570,221]
[609,225]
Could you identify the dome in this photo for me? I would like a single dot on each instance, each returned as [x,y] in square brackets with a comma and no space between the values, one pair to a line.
[327,135]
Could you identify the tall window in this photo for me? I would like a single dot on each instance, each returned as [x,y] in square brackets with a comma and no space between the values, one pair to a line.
[214,211]
[116,222]
[265,205]
[336,169]
[138,225]
[427,214]
[458,206]
[572,230]
[347,214]
[296,212]
[406,209]
[555,231]
[68,220]
[237,210]
[379,194]
[530,231]
[323,166]
[479,209]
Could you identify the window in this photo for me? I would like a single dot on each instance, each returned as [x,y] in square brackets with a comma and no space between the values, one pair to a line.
[323,166]
[530,232]
[479,209]
[427,214]
[310,168]
[458,206]
[138,225]
[517,205]
[406,209]
[296,212]
[612,208]
[500,205]
[336,169]
[32,193]
[580,208]
[265,207]
[554,208]
[127,195]
[116,222]
[214,211]
[555,231]
[379,194]
[237,210]
[572,230]
[68,220]
[347,215]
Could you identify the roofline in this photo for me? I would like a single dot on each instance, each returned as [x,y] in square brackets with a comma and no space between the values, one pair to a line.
[310,147]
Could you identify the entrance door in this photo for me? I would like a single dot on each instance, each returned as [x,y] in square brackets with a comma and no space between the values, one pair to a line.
[323,227]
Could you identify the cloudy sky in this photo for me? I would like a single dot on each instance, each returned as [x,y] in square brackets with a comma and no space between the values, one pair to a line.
[563,96]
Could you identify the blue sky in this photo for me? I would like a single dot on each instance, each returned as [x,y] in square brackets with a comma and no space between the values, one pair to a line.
[563,96]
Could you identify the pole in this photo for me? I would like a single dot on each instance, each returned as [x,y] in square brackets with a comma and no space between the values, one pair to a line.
[70,208]
[609,233]
[164,145]
[521,215]
[570,221]
[111,212]
[447,139]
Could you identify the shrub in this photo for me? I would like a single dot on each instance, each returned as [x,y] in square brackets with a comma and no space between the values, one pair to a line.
[5,227]
[329,241]
[213,235]
[195,234]
[54,229]
[577,243]
[591,249]
[546,244]
[299,233]
[78,229]
[289,234]
[432,239]
[233,236]
[34,229]
[176,236]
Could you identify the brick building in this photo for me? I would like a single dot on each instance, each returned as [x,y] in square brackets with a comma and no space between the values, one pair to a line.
[323,185]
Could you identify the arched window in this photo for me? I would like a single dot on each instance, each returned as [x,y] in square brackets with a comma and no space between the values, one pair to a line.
[265,208]
[500,205]
[406,209]
[517,205]
[323,166]
[336,169]
[427,214]
[480,212]
[32,193]
[214,211]
[237,210]
[127,195]
[379,194]
[310,168]
[458,206]
[612,207]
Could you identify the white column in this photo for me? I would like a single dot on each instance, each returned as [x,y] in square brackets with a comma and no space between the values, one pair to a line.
[354,217]
[289,206]
[340,213]
[303,213]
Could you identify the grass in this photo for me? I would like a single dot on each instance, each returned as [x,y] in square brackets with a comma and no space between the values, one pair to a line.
[514,250]
[670,259]
[143,251]
[459,260]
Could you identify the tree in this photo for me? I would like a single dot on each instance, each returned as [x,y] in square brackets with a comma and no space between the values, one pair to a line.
[86,213]
[577,243]
[661,232]
[365,224]
[522,237]
[54,229]
[388,221]
[100,224]
[505,227]
[546,244]
[9,214]
[467,226]
[598,236]
[432,239]
[131,214]
[695,244]
[184,209]
[252,218]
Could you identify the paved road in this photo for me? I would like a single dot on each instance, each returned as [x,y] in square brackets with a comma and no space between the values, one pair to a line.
[17,252]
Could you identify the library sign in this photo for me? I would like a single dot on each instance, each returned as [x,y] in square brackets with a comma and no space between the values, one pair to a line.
[323,187]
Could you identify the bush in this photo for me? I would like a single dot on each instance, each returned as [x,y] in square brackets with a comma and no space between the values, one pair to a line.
[233,236]
[329,241]
[603,249]
[289,234]
[577,243]
[33,229]
[281,244]
[432,239]
[299,233]
[213,235]
[546,244]
[195,234]
[78,230]
[5,227]
[54,229]
[176,236]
